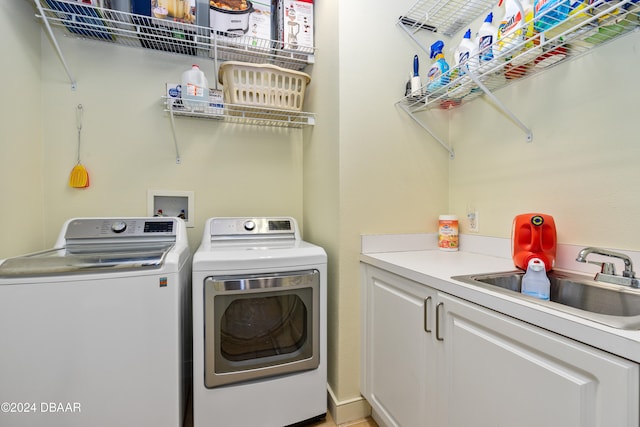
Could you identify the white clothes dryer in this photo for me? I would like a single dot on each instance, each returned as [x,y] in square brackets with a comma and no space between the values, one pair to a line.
[97,330]
[259,325]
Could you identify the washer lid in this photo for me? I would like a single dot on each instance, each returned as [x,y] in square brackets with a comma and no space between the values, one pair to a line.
[101,245]
[99,260]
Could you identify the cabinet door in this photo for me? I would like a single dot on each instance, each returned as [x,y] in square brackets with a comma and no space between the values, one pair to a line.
[398,367]
[498,371]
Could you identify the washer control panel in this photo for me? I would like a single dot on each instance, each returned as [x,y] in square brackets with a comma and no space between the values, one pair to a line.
[96,228]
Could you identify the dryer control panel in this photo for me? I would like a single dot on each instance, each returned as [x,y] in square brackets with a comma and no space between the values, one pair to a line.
[242,228]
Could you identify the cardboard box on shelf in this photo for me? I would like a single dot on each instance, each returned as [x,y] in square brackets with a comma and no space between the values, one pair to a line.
[170,26]
[262,24]
[194,12]
[295,24]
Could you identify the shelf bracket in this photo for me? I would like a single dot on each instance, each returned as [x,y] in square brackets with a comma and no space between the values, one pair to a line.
[499,104]
[428,129]
[173,131]
[55,44]
[411,34]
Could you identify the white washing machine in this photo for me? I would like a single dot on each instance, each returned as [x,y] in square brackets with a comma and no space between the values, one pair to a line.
[259,325]
[97,331]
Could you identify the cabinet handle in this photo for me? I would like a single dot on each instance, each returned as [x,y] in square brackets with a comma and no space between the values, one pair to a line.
[427,301]
[438,336]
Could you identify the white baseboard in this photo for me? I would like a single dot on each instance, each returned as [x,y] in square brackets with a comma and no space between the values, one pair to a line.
[347,410]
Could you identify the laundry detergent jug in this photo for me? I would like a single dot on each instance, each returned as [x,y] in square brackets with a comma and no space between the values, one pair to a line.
[533,236]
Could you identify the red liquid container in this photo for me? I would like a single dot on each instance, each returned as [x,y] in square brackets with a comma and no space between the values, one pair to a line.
[533,236]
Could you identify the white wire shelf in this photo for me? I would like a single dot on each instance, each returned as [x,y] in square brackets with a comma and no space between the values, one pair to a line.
[522,53]
[127,29]
[243,114]
[445,17]
[565,40]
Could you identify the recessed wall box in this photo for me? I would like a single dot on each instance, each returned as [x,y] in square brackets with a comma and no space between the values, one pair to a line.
[171,203]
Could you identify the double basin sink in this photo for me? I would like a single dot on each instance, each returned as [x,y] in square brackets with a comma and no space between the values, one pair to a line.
[613,305]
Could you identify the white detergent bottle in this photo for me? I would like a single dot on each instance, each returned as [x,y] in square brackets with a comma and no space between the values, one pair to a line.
[487,36]
[463,52]
[195,89]
[535,282]
[510,34]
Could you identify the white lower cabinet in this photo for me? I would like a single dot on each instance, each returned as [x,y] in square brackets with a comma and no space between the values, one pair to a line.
[399,357]
[432,359]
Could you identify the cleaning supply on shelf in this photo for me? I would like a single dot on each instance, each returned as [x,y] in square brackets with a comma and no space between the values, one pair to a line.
[462,53]
[416,86]
[577,15]
[535,282]
[549,13]
[487,37]
[461,60]
[533,236]
[510,28]
[448,233]
[195,89]
[461,83]
[438,75]
[614,26]
[516,38]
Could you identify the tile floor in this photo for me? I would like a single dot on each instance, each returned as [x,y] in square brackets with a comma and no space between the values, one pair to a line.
[328,422]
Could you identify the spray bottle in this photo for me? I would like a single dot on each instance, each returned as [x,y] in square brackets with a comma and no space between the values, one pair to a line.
[438,75]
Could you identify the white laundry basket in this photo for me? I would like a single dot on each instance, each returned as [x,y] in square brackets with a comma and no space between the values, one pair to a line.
[263,85]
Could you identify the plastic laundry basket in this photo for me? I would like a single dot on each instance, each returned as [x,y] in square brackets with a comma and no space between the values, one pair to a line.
[263,85]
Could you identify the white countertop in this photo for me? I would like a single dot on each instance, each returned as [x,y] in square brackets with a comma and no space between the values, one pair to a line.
[435,268]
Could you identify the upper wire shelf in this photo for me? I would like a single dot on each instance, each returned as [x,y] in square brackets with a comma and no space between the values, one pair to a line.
[114,26]
[445,17]
[525,56]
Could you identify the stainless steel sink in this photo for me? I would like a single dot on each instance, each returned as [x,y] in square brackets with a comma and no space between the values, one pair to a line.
[614,305]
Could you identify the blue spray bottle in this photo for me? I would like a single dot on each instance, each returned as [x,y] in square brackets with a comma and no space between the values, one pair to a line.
[438,75]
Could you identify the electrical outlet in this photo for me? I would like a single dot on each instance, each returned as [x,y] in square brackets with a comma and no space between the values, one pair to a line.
[474,226]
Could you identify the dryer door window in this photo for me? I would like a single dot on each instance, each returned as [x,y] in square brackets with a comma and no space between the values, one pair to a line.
[260,326]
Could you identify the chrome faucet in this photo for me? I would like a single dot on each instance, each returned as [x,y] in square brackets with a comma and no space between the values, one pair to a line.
[607,269]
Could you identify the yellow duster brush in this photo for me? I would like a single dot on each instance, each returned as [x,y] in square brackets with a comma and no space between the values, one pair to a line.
[79,177]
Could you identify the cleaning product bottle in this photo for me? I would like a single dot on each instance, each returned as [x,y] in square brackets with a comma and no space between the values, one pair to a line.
[487,36]
[535,281]
[533,236]
[463,52]
[195,89]
[578,13]
[448,232]
[528,31]
[462,59]
[438,75]
[510,28]
[549,13]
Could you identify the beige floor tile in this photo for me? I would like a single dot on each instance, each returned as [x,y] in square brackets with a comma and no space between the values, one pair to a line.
[368,422]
